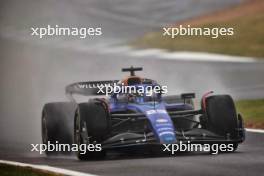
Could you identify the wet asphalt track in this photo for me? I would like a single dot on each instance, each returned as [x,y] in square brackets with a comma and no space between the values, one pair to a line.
[248,160]
[35,71]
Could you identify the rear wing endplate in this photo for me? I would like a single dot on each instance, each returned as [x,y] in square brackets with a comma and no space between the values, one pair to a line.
[88,88]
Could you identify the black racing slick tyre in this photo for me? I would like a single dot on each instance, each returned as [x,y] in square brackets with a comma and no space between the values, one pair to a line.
[57,124]
[222,117]
[91,126]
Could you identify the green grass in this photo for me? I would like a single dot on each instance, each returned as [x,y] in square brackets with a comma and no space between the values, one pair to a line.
[252,112]
[248,39]
[9,170]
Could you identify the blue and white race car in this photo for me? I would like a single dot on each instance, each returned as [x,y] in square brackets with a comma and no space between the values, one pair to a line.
[142,117]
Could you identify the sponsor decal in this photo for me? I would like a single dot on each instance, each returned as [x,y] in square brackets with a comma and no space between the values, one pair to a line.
[161,120]
[153,111]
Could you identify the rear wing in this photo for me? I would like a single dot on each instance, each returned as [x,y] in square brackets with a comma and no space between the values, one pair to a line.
[88,88]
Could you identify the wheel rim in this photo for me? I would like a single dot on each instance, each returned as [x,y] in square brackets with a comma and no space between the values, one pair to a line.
[77,130]
[44,128]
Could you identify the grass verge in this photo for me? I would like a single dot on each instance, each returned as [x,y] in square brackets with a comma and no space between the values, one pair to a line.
[252,112]
[10,170]
[248,39]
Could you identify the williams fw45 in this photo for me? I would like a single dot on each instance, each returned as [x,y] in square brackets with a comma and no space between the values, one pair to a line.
[134,120]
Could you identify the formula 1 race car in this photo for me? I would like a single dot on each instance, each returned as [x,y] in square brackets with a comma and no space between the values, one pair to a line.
[135,119]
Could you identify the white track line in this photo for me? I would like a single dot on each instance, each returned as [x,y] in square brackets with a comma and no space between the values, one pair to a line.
[181,55]
[114,50]
[254,130]
[146,52]
[47,168]
[190,56]
[201,56]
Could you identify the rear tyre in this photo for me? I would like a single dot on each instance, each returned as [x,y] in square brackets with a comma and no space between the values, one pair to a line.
[91,126]
[57,122]
[222,117]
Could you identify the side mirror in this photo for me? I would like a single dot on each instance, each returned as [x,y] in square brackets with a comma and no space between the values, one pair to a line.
[122,99]
[187,95]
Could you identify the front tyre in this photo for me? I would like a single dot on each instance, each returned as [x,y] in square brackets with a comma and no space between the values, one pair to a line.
[222,117]
[91,125]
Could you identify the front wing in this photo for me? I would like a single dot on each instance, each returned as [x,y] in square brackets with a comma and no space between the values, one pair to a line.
[196,135]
